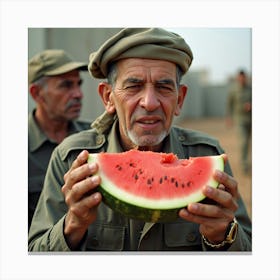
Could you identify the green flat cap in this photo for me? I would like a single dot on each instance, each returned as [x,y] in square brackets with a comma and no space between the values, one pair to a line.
[51,63]
[150,43]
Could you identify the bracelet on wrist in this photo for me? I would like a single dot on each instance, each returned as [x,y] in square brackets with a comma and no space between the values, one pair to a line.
[230,236]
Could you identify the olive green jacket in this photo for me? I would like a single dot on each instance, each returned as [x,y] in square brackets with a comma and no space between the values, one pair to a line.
[40,148]
[112,231]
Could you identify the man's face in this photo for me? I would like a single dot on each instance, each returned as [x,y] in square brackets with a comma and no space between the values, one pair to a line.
[62,96]
[146,97]
[241,78]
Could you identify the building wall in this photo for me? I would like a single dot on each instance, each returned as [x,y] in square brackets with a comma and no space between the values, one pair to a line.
[215,100]
[202,99]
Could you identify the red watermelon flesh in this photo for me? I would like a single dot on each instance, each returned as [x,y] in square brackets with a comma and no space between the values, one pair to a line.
[153,186]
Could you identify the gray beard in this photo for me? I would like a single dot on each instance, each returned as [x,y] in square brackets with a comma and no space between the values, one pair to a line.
[147,140]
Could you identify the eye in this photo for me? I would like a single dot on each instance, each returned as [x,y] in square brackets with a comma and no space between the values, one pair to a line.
[164,89]
[80,82]
[132,84]
[66,84]
[165,86]
[133,88]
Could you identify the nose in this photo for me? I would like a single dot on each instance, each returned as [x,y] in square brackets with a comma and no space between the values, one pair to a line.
[77,93]
[149,99]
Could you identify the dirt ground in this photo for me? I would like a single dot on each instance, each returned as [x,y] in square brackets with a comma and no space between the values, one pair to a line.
[229,141]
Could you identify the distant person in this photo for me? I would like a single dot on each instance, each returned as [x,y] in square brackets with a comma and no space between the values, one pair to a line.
[55,86]
[141,95]
[239,112]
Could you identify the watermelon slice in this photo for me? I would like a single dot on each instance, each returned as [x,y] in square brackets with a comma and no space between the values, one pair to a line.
[153,186]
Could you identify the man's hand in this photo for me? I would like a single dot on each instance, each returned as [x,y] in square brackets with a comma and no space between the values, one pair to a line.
[214,218]
[81,199]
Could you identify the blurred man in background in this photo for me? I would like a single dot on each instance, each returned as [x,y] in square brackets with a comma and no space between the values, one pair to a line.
[55,86]
[239,111]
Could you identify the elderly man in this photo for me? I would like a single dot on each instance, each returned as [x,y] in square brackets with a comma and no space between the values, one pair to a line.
[55,86]
[142,94]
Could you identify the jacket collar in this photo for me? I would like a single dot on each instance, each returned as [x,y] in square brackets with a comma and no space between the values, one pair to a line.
[36,136]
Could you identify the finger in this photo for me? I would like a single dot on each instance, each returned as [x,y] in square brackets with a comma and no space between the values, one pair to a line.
[78,174]
[225,158]
[222,197]
[210,211]
[228,181]
[80,160]
[82,172]
[206,214]
[82,189]
[85,207]
[221,187]
[189,215]
[82,213]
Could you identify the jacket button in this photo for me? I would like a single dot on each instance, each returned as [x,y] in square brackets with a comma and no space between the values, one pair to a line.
[191,237]
[99,140]
[182,138]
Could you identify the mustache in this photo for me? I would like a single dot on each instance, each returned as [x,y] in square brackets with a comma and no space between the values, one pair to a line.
[73,102]
[140,114]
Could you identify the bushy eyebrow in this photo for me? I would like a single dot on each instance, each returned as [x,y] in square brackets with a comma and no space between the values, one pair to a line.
[159,82]
[69,83]
[166,82]
[133,80]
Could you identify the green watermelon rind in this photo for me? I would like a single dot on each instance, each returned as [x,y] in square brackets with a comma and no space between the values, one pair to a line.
[149,210]
[139,213]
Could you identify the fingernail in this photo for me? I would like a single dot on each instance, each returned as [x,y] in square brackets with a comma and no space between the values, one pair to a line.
[92,166]
[95,179]
[96,196]
[209,190]
[184,212]
[219,174]
[193,206]
[83,154]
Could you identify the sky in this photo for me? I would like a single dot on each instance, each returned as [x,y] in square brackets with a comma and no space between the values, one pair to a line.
[220,51]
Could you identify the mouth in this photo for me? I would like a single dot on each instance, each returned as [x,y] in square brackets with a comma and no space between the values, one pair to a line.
[149,122]
[74,106]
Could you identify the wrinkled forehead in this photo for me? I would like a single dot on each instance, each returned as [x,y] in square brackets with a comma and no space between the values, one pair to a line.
[138,67]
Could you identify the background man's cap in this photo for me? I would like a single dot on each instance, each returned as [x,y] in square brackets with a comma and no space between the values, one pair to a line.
[151,43]
[51,63]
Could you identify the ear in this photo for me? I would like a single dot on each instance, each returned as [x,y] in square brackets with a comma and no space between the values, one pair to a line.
[35,92]
[181,98]
[105,90]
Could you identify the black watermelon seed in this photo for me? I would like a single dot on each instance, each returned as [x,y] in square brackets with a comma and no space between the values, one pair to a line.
[190,183]
[118,167]
[132,164]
